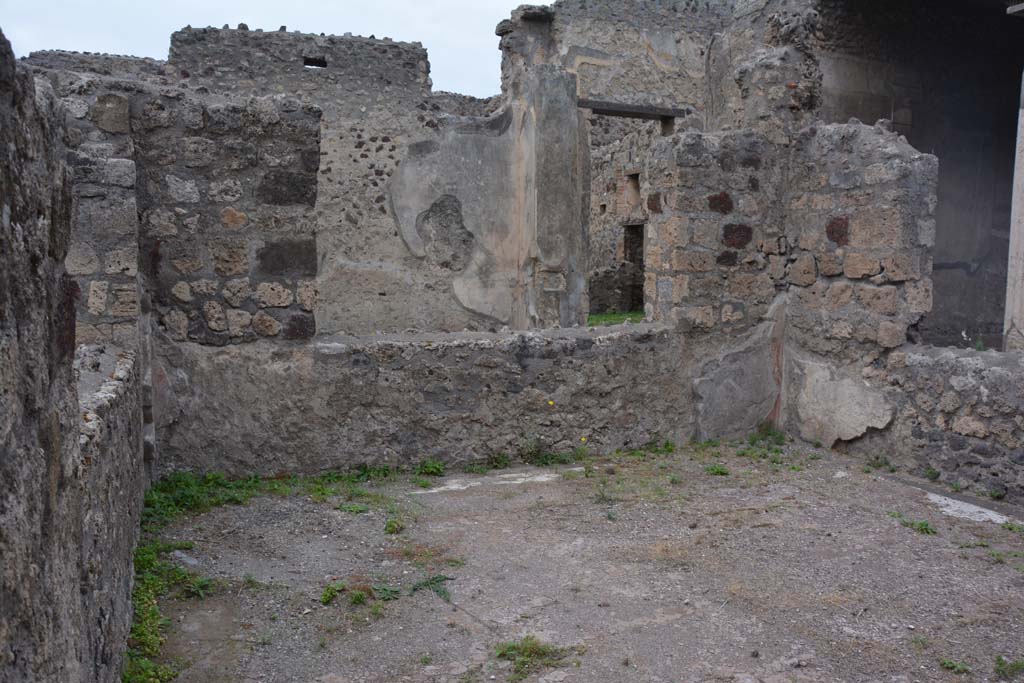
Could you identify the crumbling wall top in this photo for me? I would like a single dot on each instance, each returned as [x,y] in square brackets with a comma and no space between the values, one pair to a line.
[266,62]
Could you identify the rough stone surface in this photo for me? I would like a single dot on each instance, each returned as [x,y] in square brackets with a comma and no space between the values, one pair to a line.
[400,400]
[71,491]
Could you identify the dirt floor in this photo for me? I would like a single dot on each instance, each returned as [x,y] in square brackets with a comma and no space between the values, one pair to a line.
[658,567]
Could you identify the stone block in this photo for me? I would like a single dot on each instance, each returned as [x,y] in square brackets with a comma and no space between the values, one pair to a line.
[969,425]
[902,266]
[873,227]
[181,190]
[283,188]
[305,295]
[880,300]
[273,295]
[830,263]
[238,321]
[97,302]
[123,261]
[891,334]
[838,295]
[213,312]
[265,325]
[81,259]
[232,218]
[182,291]
[919,296]
[803,272]
[110,113]
[125,303]
[237,291]
[225,191]
[692,261]
[230,259]
[300,326]
[176,324]
[857,266]
[288,257]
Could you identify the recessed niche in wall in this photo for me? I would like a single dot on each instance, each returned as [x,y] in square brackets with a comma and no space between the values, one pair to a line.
[631,194]
[668,125]
[314,62]
[633,244]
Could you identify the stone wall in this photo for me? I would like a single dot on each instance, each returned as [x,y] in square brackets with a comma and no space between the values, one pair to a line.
[638,52]
[958,417]
[114,478]
[401,399]
[227,193]
[947,74]
[104,253]
[70,480]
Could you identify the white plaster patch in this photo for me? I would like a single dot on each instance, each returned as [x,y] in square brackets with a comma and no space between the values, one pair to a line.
[501,479]
[957,508]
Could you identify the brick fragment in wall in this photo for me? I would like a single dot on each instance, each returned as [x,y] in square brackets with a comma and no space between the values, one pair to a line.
[838,230]
[721,202]
[737,235]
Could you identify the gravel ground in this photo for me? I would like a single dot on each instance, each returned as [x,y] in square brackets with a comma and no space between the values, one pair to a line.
[644,568]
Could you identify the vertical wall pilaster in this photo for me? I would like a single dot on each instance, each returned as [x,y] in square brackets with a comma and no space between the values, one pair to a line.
[1013,326]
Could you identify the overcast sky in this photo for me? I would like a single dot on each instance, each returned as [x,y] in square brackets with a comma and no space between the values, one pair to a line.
[458,34]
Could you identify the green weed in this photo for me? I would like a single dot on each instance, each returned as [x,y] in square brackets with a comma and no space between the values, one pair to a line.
[717,470]
[435,584]
[330,592]
[530,655]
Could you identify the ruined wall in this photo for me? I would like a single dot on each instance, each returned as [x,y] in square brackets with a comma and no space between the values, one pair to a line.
[401,399]
[957,418]
[948,75]
[114,478]
[636,52]
[376,103]
[228,236]
[103,256]
[69,504]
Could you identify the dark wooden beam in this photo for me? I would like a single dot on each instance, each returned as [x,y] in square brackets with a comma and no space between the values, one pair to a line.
[634,111]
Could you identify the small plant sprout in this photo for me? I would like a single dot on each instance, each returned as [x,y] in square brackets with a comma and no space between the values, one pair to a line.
[717,470]
[330,592]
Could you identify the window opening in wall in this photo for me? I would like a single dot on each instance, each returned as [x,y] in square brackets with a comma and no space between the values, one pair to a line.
[631,193]
[314,62]
[602,209]
[633,244]
[668,125]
